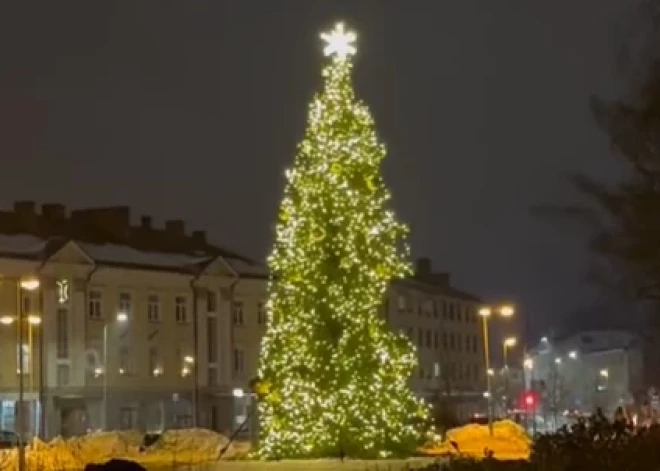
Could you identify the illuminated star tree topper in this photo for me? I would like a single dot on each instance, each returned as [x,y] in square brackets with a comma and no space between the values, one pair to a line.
[339,42]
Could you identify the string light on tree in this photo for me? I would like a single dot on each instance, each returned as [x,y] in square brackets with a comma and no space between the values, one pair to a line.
[333,379]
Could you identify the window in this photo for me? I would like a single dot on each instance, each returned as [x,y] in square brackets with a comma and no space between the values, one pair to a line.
[125,304]
[421,372]
[153,308]
[435,339]
[213,377]
[124,361]
[62,333]
[23,354]
[459,342]
[451,312]
[428,339]
[468,343]
[63,375]
[237,312]
[261,313]
[419,308]
[211,301]
[458,312]
[452,341]
[213,422]
[475,344]
[444,340]
[180,310]
[239,360]
[401,302]
[154,362]
[435,309]
[127,418]
[436,370]
[94,309]
[475,371]
[420,337]
[212,339]
[444,309]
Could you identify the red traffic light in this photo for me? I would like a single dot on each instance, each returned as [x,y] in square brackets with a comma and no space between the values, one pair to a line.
[529,399]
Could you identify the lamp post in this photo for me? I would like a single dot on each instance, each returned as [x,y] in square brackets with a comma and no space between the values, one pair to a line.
[508,343]
[121,318]
[485,313]
[188,365]
[528,366]
[31,284]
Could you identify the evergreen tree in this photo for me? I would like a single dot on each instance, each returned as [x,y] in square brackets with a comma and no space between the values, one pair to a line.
[334,378]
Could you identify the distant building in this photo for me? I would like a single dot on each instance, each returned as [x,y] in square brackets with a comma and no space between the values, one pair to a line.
[587,370]
[444,325]
[122,326]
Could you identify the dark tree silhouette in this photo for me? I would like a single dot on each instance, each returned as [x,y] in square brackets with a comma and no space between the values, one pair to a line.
[625,217]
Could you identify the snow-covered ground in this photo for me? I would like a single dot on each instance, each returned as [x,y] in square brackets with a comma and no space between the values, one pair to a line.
[312,465]
[190,450]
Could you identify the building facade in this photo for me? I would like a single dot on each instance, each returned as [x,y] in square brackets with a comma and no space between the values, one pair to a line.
[585,371]
[109,325]
[444,325]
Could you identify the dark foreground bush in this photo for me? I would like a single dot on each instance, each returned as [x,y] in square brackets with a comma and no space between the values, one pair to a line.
[599,448]
[116,465]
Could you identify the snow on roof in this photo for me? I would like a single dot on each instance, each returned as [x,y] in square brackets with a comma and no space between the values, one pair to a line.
[244,268]
[21,244]
[122,254]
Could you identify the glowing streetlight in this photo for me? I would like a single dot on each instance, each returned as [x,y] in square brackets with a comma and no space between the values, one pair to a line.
[528,363]
[485,312]
[604,373]
[558,361]
[7,320]
[34,320]
[30,284]
[491,372]
[189,359]
[509,342]
[572,355]
[238,392]
[507,311]
[121,318]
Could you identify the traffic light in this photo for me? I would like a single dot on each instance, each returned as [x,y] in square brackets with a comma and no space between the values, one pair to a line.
[529,400]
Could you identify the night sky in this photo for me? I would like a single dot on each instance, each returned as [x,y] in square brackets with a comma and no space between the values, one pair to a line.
[192,110]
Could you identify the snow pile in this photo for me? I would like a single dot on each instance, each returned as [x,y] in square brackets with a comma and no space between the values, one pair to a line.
[175,447]
[188,446]
[508,442]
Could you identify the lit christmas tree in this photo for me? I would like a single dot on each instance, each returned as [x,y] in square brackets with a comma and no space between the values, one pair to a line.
[334,378]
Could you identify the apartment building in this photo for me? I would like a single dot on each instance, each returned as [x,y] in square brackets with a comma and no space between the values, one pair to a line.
[109,325]
[444,325]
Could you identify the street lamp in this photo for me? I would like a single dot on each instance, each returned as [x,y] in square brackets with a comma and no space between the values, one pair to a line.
[26,284]
[508,343]
[604,373]
[572,355]
[121,318]
[486,312]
